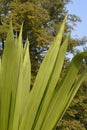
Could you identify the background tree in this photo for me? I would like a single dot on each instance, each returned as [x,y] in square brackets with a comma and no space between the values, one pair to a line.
[41,20]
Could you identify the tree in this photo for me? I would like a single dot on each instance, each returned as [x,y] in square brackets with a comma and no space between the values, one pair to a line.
[41,20]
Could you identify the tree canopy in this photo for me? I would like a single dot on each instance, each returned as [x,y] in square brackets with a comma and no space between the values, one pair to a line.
[41,20]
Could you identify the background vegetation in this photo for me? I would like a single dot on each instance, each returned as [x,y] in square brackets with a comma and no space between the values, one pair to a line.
[42,20]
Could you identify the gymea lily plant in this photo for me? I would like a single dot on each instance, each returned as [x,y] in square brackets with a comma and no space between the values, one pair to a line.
[43,106]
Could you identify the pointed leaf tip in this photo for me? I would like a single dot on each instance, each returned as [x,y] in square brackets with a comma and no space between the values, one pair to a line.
[65,18]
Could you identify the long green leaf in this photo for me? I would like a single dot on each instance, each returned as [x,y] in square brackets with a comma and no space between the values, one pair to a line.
[59,99]
[52,82]
[72,93]
[26,76]
[18,103]
[18,57]
[43,106]
[41,82]
[23,84]
[7,79]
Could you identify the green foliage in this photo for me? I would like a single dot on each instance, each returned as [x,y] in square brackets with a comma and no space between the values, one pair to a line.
[76,115]
[43,106]
[42,20]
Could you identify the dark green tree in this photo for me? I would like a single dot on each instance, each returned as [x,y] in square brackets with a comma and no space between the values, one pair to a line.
[41,19]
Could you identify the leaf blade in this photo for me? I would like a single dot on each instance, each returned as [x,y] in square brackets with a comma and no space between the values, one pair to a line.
[53,81]
[59,98]
[39,88]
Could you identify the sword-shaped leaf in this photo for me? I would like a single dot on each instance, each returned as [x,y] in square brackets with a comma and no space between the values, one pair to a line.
[43,106]
[41,81]
[61,94]
[54,77]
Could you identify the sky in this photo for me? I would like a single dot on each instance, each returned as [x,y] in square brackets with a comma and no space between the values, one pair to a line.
[79,8]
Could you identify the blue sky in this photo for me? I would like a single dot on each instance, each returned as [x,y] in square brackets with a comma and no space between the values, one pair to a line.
[79,7]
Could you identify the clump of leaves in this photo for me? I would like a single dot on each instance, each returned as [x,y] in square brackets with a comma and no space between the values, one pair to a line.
[43,106]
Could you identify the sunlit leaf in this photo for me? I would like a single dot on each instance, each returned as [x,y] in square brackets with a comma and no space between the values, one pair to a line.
[43,106]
